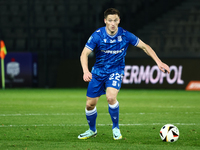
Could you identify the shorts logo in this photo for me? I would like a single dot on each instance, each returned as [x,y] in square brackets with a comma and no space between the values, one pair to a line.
[114,83]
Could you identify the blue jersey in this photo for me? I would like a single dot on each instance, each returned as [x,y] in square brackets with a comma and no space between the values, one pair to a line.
[110,50]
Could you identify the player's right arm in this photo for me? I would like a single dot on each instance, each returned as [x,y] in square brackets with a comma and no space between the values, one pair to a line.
[87,76]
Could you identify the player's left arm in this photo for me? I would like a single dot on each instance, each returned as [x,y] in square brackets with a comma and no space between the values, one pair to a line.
[149,51]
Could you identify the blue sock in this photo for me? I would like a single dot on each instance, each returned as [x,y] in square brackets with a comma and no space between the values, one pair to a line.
[91,116]
[114,114]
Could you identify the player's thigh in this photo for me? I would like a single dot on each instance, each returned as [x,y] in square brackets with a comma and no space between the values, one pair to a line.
[96,87]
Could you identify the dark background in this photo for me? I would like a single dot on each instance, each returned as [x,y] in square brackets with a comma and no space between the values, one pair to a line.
[57,30]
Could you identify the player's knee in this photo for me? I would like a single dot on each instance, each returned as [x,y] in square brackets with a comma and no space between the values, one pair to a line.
[90,106]
[91,103]
[111,100]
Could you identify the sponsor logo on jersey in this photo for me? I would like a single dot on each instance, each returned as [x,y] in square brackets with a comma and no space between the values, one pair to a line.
[113,51]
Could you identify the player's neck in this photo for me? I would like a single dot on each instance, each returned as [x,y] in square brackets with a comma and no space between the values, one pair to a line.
[110,32]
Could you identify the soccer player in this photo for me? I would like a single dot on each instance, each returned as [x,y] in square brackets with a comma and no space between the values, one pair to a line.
[111,43]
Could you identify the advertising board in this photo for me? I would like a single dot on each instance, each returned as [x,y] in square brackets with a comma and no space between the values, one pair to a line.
[21,70]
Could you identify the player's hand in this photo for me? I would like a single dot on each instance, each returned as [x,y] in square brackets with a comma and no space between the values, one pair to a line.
[164,67]
[87,77]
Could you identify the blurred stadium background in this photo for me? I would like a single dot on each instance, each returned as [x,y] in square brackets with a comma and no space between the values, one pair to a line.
[57,30]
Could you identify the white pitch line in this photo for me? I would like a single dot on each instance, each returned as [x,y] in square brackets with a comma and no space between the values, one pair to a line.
[56,114]
[75,125]
[79,114]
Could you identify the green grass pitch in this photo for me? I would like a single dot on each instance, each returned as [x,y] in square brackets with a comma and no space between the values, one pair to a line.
[51,119]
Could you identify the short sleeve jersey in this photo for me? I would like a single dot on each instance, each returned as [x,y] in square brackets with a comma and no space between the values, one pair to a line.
[110,50]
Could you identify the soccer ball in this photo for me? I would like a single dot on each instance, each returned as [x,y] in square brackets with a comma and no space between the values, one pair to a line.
[169,133]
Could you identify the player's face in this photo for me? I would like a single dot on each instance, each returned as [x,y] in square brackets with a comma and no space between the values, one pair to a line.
[112,22]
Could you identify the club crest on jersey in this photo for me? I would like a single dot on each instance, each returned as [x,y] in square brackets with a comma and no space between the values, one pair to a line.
[119,38]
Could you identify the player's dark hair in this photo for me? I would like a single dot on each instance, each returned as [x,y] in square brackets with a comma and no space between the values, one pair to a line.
[111,11]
